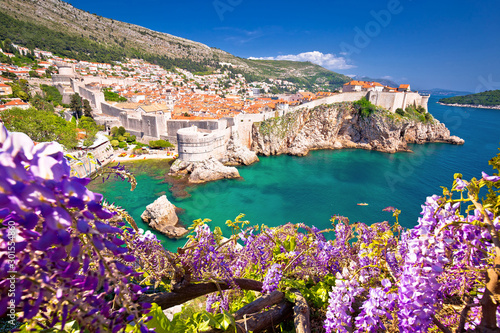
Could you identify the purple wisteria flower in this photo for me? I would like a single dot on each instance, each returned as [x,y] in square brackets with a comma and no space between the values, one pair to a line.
[490,178]
[272,278]
[63,242]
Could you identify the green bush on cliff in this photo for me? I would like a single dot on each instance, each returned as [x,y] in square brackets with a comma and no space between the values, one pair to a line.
[364,107]
[400,111]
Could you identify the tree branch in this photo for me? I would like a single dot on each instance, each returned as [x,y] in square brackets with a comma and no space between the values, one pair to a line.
[443,328]
[191,291]
[301,313]
[262,320]
[463,315]
[261,302]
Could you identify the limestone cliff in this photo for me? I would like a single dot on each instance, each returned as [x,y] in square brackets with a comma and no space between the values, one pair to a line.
[237,153]
[339,126]
[204,171]
[161,215]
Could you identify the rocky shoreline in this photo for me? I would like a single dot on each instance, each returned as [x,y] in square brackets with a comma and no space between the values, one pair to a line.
[203,171]
[495,107]
[340,126]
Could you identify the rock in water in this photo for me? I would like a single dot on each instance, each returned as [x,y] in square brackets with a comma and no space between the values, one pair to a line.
[204,171]
[161,216]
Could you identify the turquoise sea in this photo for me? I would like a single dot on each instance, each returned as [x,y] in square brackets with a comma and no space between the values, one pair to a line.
[311,189]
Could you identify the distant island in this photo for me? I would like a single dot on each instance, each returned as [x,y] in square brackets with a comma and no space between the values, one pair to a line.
[488,100]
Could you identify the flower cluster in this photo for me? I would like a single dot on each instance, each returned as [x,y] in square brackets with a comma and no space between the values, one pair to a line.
[70,261]
[342,297]
[272,278]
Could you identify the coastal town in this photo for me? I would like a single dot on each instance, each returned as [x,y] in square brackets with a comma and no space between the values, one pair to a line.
[246,166]
[182,93]
[203,115]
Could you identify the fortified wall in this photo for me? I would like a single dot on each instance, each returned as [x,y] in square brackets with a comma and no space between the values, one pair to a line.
[147,127]
[196,145]
[388,100]
[101,150]
[95,97]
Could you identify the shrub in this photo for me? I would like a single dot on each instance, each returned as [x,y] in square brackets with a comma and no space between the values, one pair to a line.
[122,145]
[365,107]
[121,130]
[121,138]
[115,143]
[400,111]
[160,144]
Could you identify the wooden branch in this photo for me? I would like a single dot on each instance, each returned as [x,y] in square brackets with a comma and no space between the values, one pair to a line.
[443,328]
[488,305]
[463,315]
[266,319]
[188,292]
[262,320]
[261,302]
[301,313]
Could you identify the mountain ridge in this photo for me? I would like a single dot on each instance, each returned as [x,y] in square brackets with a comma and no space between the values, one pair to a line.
[128,40]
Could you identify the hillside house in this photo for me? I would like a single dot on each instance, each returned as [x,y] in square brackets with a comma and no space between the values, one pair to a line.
[16,103]
[5,89]
[353,86]
[404,87]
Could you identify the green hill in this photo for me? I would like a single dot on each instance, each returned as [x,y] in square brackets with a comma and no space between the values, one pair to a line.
[57,26]
[487,98]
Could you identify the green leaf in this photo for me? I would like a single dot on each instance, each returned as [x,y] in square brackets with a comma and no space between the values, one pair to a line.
[159,321]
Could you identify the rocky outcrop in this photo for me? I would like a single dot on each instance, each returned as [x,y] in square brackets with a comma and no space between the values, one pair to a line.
[340,126]
[237,154]
[161,216]
[204,171]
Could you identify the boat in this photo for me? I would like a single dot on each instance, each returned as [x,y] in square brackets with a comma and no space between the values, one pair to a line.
[362,204]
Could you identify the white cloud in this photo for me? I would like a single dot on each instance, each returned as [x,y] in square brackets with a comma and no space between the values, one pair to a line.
[327,60]
[388,77]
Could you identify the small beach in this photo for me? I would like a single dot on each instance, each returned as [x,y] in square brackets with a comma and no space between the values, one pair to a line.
[127,158]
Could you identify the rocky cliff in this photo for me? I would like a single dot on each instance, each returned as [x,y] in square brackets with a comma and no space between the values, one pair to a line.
[339,126]
[237,153]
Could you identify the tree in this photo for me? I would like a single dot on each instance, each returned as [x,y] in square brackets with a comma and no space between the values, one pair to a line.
[7,46]
[21,94]
[41,126]
[87,109]
[41,104]
[51,94]
[33,74]
[160,144]
[114,131]
[121,131]
[76,104]
[91,128]
[9,75]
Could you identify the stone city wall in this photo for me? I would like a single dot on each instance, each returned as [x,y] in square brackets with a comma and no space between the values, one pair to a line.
[85,166]
[194,146]
[388,100]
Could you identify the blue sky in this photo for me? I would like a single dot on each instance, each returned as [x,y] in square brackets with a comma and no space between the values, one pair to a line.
[429,44]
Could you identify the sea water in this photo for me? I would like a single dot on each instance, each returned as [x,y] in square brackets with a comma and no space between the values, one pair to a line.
[310,189]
